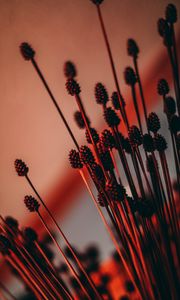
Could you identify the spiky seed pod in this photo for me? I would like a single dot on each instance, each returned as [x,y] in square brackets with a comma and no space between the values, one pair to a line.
[105,278]
[63,268]
[130,76]
[171,13]
[160,143]
[153,122]
[165,32]
[162,27]
[135,136]
[162,87]
[30,235]
[169,106]
[145,208]
[175,123]
[93,253]
[27,51]
[21,167]
[5,245]
[101,94]
[132,48]
[107,139]
[79,120]
[106,159]
[31,203]
[148,143]
[69,69]
[115,100]
[94,135]
[72,87]
[12,223]
[101,199]
[86,155]
[75,160]
[97,2]
[115,191]
[111,117]
[129,286]
[97,174]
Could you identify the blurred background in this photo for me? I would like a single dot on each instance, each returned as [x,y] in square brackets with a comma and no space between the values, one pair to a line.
[30,128]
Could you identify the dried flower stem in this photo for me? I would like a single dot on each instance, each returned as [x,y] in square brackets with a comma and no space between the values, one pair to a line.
[121,102]
[41,76]
[64,256]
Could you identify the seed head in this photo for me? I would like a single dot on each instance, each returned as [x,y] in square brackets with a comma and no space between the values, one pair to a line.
[165,32]
[72,87]
[106,159]
[171,13]
[97,2]
[94,134]
[97,174]
[12,223]
[132,48]
[30,235]
[162,26]
[162,87]
[107,139]
[111,117]
[31,203]
[115,191]
[145,208]
[130,76]
[101,94]
[86,155]
[79,120]
[101,199]
[27,51]
[69,70]
[160,143]
[75,160]
[129,286]
[175,124]
[21,167]
[169,106]
[148,143]
[153,122]
[115,100]
[135,136]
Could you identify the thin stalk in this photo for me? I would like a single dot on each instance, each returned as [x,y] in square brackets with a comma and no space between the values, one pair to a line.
[53,271]
[136,107]
[120,98]
[65,239]
[110,233]
[141,90]
[41,76]
[64,256]
[28,279]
